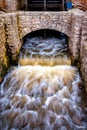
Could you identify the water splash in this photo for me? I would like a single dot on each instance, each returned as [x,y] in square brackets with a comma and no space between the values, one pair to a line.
[46,52]
[43,93]
[41,98]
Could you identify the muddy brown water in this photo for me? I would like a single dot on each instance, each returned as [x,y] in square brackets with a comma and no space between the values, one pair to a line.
[42,92]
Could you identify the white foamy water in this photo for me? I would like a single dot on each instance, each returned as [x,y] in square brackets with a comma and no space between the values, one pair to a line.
[43,93]
[49,47]
[41,98]
[46,52]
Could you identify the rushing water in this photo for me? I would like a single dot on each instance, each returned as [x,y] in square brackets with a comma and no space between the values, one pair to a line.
[42,93]
[46,52]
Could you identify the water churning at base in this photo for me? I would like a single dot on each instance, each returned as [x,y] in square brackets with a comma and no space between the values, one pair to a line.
[48,51]
[42,94]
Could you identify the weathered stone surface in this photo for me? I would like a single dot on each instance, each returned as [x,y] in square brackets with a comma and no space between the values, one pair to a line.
[69,23]
[12,5]
[44,20]
[84,2]
[9,5]
[13,41]
[3,60]
[83,52]
[76,25]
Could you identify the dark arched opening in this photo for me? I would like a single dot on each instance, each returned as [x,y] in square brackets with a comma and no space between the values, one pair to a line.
[47,44]
[45,33]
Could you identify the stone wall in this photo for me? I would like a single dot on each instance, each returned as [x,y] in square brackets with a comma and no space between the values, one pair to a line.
[31,21]
[3,59]
[21,23]
[84,2]
[12,33]
[83,52]
[9,5]
[76,26]
[12,5]
[70,23]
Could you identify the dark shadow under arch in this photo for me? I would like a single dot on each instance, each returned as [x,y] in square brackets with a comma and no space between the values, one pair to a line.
[46,33]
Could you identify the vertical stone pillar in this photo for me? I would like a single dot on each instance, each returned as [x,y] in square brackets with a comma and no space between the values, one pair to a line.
[13,41]
[76,26]
[11,5]
[83,52]
[3,60]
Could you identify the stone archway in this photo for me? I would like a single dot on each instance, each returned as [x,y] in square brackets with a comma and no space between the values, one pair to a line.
[22,23]
[45,46]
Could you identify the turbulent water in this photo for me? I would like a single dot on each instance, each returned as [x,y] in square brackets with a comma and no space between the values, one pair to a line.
[42,96]
[46,52]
